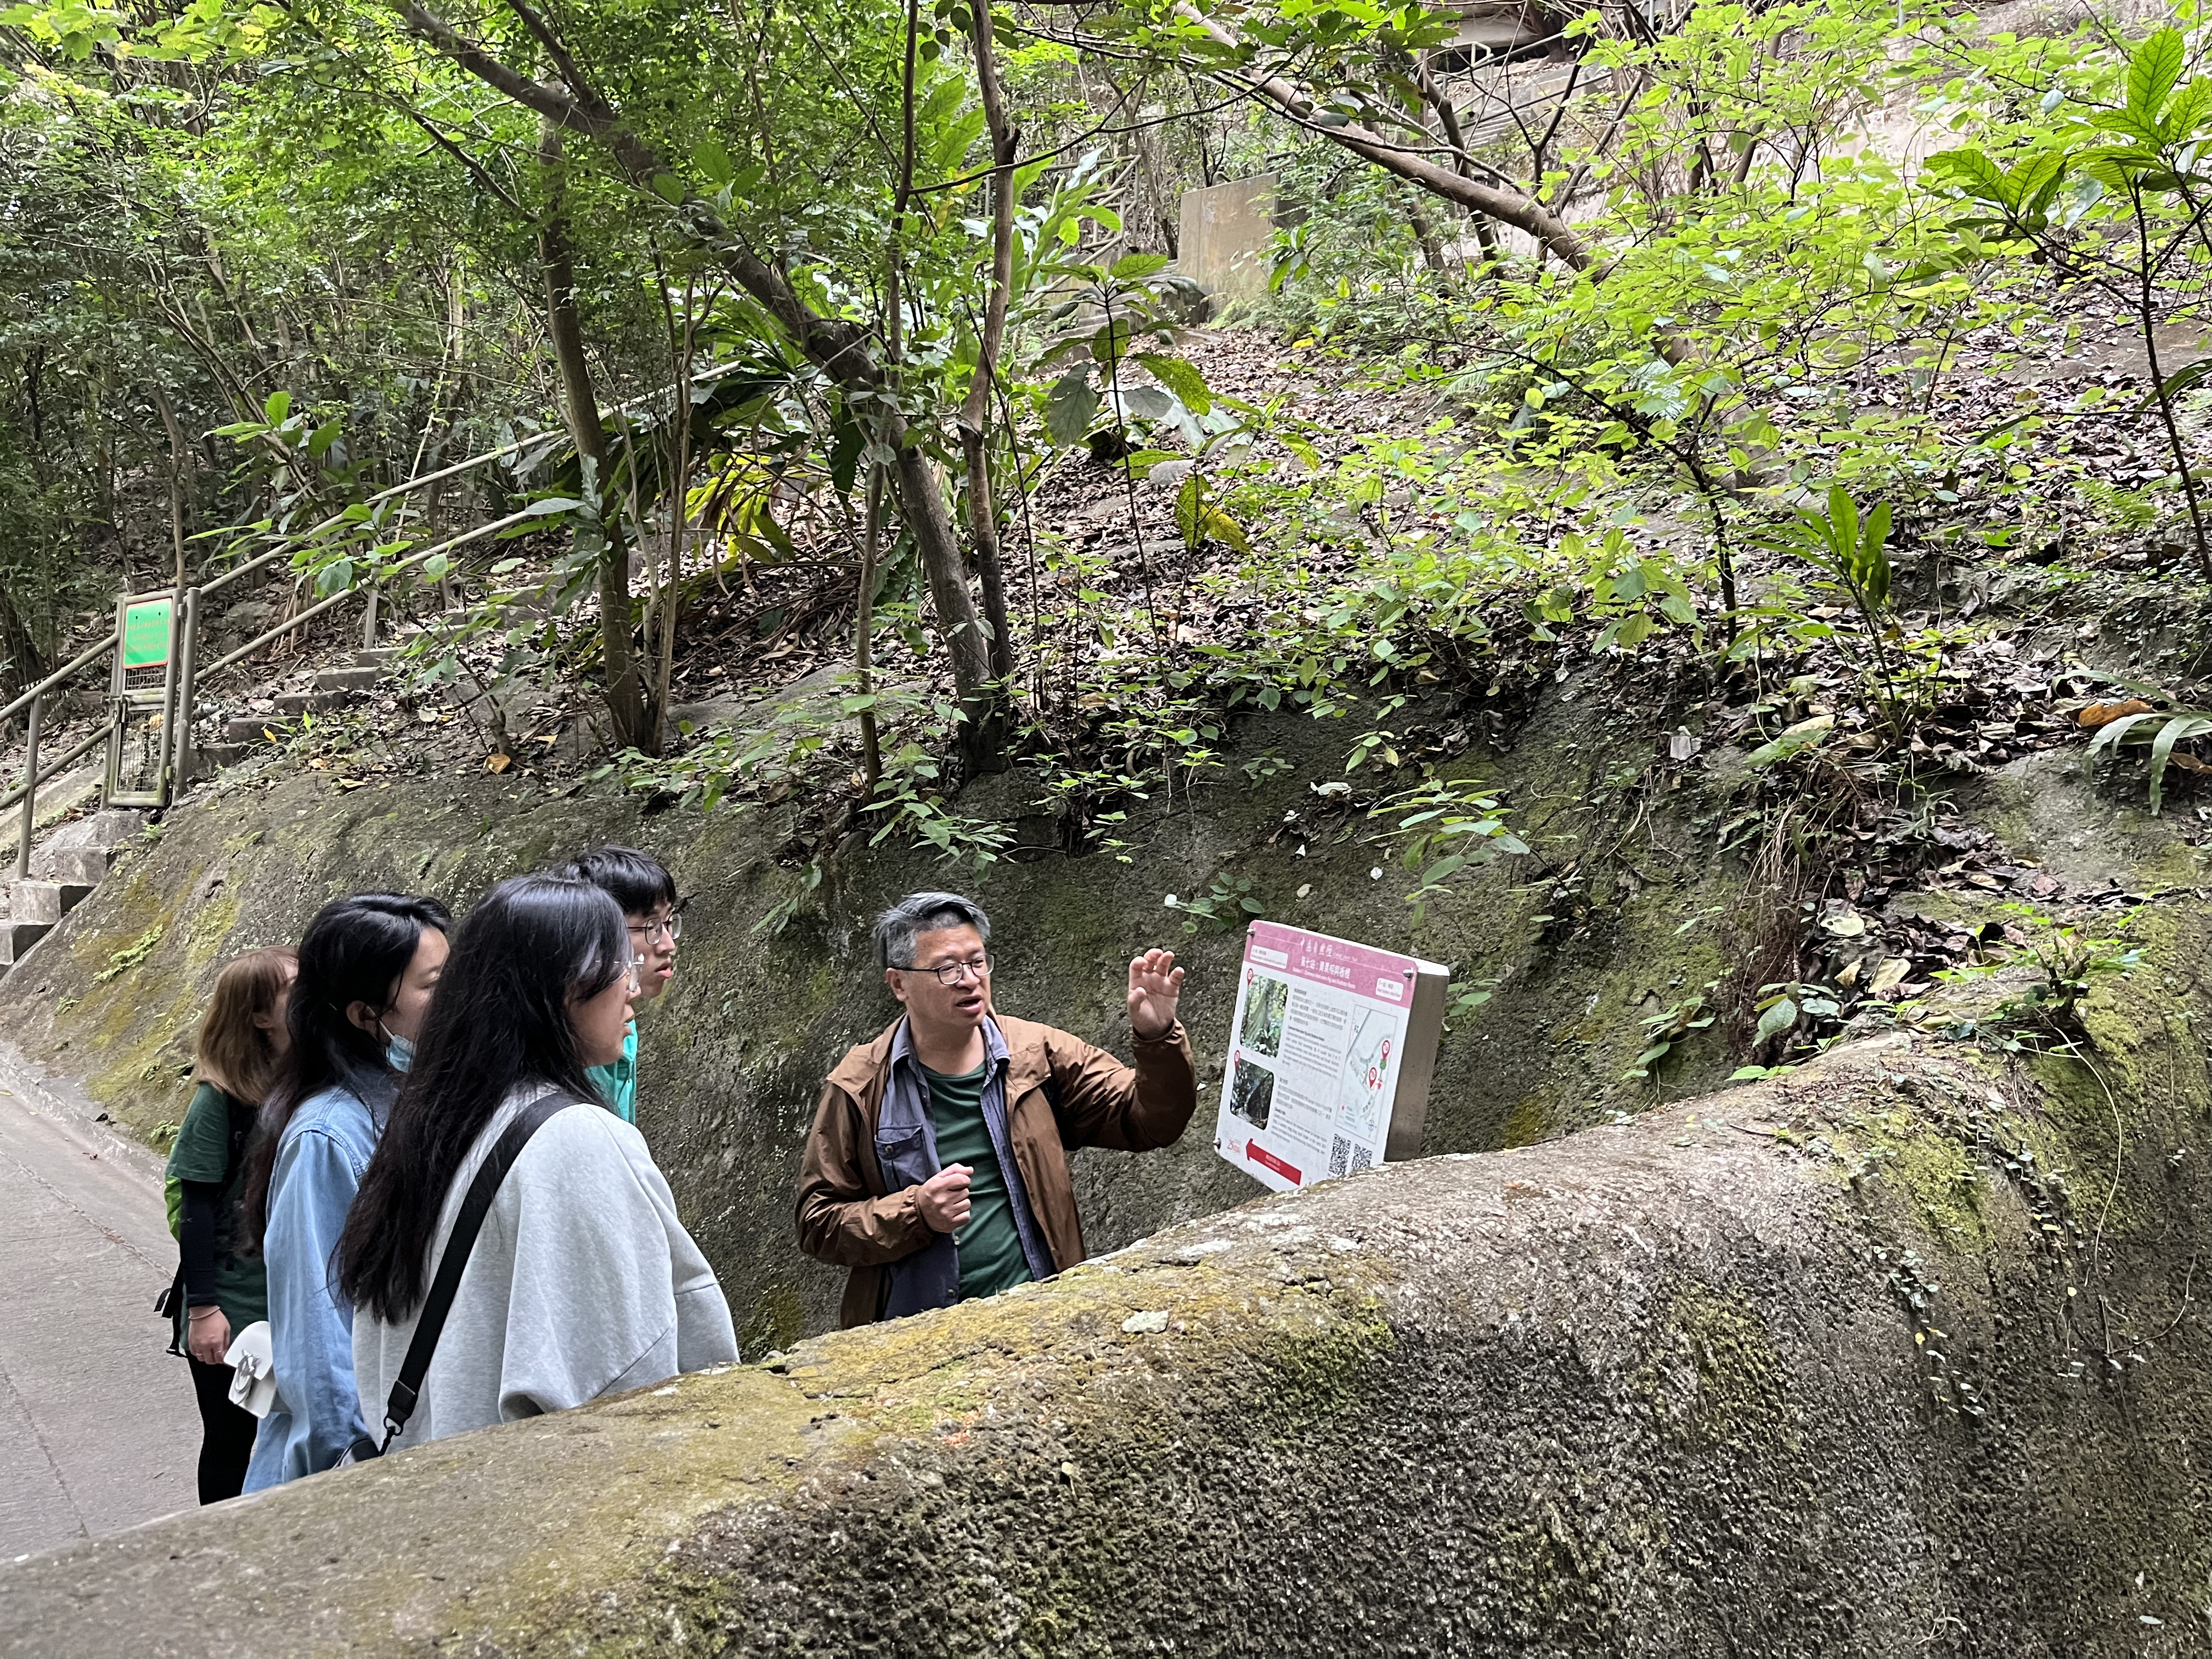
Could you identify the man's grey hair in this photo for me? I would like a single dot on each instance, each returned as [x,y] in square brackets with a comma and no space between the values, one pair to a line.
[923,913]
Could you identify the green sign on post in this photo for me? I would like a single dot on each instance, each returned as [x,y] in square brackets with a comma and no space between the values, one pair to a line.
[146,630]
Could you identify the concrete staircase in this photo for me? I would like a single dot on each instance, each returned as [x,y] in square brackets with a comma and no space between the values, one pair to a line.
[334,688]
[331,688]
[63,872]
[72,860]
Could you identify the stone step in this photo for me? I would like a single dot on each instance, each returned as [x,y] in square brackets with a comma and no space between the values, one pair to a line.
[246,729]
[81,852]
[46,902]
[17,938]
[296,703]
[347,679]
[376,656]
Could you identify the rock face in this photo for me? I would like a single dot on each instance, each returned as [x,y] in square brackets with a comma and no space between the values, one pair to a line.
[732,1064]
[1825,1365]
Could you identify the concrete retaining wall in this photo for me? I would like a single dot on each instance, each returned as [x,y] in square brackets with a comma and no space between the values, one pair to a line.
[1661,1388]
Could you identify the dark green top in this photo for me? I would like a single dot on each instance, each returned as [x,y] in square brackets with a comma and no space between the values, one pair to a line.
[211,1148]
[990,1245]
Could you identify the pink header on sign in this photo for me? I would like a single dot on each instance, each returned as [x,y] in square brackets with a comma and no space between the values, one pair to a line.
[1360,968]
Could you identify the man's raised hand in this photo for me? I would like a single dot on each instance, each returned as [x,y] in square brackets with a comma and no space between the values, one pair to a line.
[1155,988]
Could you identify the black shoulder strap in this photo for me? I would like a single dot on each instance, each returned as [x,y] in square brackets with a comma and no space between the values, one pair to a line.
[407,1388]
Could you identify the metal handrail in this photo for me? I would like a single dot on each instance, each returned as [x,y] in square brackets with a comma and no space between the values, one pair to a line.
[192,599]
[49,772]
[259,560]
[345,594]
[59,678]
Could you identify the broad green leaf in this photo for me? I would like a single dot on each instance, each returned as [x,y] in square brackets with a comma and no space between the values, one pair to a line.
[1775,1020]
[2189,109]
[2035,181]
[1190,504]
[2152,72]
[1970,170]
[277,407]
[547,504]
[713,162]
[1800,736]
[669,188]
[1220,527]
[1134,267]
[1069,408]
[1178,377]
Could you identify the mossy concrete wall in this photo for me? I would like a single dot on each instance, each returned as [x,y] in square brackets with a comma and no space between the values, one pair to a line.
[732,1066]
[1720,1380]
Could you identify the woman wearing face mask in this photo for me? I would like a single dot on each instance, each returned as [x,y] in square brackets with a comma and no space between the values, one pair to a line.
[582,1281]
[367,967]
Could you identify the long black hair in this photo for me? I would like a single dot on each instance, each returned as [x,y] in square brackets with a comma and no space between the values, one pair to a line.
[355,950]
[502,1023]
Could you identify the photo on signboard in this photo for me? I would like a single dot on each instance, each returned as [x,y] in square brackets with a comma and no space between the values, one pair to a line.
[1252,1093]
[1265,999]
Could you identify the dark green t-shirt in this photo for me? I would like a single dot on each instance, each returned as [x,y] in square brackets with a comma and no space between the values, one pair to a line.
[211,1148]
[991,1255]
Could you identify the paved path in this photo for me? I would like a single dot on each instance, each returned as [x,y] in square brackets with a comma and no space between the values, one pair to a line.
[97,1431]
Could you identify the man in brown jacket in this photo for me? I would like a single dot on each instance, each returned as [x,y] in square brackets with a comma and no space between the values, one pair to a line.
[937,1167]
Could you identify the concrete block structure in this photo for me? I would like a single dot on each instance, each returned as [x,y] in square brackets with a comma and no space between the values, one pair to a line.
[1226,236]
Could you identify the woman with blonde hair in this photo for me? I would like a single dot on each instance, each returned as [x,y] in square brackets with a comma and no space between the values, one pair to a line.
[242,1039]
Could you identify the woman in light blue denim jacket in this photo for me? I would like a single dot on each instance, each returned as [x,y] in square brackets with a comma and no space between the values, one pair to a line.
[367,967]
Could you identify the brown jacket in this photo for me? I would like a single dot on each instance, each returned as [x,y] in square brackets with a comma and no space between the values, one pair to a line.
[1060,1093]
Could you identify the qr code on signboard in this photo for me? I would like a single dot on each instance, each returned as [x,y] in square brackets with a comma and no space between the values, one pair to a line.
[1348,1157]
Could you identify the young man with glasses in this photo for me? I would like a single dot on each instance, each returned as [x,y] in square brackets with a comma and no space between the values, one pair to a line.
[937,1167]
[641,884]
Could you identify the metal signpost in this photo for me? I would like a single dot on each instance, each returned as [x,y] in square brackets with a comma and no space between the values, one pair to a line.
[1331,1047]
[147,626]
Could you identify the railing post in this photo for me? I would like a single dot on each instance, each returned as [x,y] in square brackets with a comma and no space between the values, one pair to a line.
[368,618]
[186,756]
[111,783]
[30,788]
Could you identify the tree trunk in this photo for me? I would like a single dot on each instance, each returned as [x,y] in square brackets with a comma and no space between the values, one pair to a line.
[839,347]
[625,704]
[976,413]
[922,504]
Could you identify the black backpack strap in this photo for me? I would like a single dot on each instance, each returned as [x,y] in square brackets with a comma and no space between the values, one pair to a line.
[407,1388]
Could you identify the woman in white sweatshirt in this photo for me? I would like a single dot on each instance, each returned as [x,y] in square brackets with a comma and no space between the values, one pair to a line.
[582,1281]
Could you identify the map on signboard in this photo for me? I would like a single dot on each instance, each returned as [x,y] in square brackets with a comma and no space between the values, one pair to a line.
[1318,1082]
[1366,1071]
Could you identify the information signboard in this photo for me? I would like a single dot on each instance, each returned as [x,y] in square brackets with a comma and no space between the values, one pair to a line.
[146,630]
[1331,1050]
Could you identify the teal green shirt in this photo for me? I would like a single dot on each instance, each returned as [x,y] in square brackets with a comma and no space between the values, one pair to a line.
[215,1124]
[617,1081]
[990,1245]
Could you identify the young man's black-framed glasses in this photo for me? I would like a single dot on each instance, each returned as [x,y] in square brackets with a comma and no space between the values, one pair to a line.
[671,924]
[952,973]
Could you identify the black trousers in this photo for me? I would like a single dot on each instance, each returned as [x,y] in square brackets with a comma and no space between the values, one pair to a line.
[227,1434]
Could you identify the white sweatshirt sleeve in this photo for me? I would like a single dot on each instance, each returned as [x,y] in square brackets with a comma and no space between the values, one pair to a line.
[609,1291]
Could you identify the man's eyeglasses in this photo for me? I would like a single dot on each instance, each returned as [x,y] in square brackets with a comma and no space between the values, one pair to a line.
[952,973]
[671,924]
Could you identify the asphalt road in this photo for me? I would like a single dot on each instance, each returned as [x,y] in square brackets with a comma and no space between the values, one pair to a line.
[97,1431]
